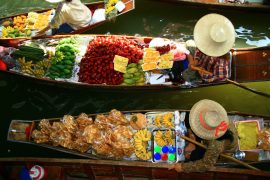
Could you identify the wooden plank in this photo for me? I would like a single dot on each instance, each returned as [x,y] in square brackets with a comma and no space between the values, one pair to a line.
[192,176]
[252,65]
[147,165]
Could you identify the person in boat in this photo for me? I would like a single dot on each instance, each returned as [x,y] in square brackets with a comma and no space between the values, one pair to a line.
[209,121]
[70,15]
[214,36]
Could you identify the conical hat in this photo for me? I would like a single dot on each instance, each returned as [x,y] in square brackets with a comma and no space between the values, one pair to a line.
[208,119]
[54,1]
[214,35]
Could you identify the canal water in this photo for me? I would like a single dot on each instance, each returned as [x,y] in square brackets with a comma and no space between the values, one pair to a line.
[21,99]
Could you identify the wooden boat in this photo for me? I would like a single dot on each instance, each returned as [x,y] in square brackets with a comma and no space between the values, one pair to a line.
[259,6]
[97,167]
[129,5]
[246,65]
[59,168]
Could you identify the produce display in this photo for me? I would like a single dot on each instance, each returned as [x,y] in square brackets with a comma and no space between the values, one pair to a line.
[31,60]
[29,53]
[96,66]
[108,60]
[63,61]
[110,9]
[134,75]
[22,25]
[115,135]
[164,146]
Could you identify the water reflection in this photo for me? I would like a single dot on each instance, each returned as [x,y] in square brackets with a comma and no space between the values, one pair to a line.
[252,38]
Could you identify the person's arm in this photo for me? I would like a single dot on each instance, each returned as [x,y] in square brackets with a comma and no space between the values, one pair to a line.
[56,21]
[42,31]
[193,66]
[214,149]
[210,158]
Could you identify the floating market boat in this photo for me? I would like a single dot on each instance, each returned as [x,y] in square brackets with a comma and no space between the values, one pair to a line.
[132,148]
[116,63]
[15,29]
[243,5]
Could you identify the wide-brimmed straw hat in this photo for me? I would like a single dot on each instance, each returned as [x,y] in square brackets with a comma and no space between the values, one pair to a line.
[214,35]
[54,1]
[208,119]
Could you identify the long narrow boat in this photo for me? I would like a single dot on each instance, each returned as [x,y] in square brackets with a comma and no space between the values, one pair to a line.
[9,41]
[245,65]
[259,6]
[103,166]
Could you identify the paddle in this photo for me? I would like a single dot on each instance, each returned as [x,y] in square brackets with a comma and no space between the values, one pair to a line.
[233,82]
[247,88]
[195,68]
[222,155]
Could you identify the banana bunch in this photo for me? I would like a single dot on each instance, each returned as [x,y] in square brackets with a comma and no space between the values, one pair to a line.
[169,137]
[158,121]
[143,155]
[38,73]
[141,139]
[160,140]
[163,139]
[26,66]
[37,70]
[167,120]
[50,53]
[43,64]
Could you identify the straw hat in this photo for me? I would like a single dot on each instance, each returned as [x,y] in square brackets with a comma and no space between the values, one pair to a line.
[54,1]
[214,35]
[208,119]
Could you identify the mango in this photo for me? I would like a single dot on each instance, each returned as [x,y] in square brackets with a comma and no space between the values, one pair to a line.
[141,80]
[128,76]
[140,84]
[129,81]
[132,65]
[138,74]
[132,70]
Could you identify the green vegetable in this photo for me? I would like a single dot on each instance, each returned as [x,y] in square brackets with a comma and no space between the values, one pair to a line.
[29,55]
[31,49]
[132,65]
[67,71]
[127,75]
[129,81]
[68,62]
[132,70]
[59,66]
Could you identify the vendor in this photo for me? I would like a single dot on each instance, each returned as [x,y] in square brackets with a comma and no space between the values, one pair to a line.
[214,36]
[70,15]
[209,121]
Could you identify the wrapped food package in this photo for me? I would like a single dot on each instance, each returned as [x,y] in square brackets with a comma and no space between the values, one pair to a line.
[248,134]
[264,139]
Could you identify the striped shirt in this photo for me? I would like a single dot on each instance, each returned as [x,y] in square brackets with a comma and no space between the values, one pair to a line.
[219,66]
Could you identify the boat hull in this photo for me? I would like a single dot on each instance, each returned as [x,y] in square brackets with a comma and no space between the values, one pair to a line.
[101,168]
[224,6]
[14,42]
[246,65]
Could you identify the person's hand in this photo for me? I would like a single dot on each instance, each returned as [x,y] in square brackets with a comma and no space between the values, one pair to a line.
[203,72]
[177,167]
[39,34]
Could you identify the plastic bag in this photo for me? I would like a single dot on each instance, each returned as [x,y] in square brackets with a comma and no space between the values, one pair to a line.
[264,139]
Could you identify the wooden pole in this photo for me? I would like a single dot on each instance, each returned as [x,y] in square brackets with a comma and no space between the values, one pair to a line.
[249,89]
[222,155]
